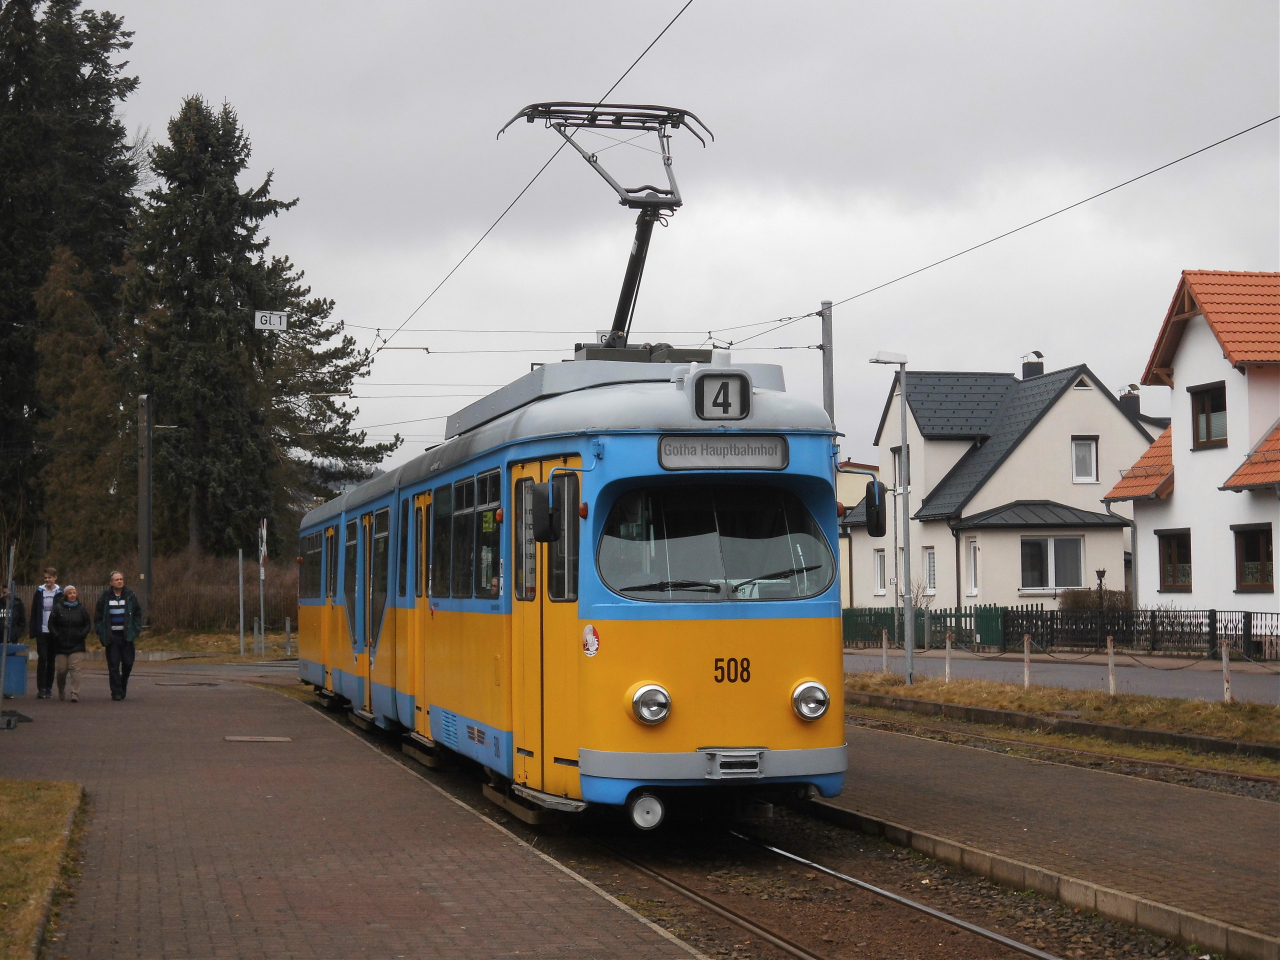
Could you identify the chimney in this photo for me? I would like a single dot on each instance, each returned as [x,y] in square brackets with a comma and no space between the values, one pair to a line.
[1032,368]
[1131,403]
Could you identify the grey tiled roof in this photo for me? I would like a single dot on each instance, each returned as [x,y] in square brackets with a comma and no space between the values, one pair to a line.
[1037,513]
[1021,407]
[952,405]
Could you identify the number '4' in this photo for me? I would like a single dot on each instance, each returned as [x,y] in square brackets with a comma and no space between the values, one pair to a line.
[721,399]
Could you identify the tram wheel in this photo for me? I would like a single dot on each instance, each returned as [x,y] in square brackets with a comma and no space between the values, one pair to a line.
[646,811]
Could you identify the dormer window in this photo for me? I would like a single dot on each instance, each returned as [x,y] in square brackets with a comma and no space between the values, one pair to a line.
[1083,384]
[1208,415]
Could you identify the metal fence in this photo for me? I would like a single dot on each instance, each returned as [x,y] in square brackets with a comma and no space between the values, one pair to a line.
[1196,633]
[1190,632]
[211,607]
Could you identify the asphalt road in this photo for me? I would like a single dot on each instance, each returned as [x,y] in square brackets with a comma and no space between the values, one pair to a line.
[1153,677]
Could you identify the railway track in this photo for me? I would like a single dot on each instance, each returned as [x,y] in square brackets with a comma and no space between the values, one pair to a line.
[789,946]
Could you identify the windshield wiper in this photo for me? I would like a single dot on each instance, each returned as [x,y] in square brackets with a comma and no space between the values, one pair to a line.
[778,575]
[677,585]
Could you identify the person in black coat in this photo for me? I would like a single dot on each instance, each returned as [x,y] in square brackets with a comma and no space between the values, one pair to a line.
[69,624]
[11,632]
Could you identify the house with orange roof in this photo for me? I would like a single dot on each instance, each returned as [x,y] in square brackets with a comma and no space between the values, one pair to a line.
[1206,494]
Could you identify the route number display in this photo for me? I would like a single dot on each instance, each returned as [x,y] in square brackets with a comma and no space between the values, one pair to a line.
[726,397]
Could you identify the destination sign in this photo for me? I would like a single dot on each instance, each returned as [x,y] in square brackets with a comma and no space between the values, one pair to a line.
[717,451]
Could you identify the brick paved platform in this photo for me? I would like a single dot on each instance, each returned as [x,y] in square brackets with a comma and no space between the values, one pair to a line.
[1209,853]
[200,848]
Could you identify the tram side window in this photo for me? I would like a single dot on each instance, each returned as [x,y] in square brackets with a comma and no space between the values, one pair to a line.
[381,573]
[525,547]
[419,551]
[310,548]
[442,512]
[464,525]
[331,562]
[402,576]
[488,534]
[349,572]
[562,554]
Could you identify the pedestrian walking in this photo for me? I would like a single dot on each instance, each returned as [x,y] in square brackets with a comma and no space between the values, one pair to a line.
[69,624]
[118,621]
[12,626]
[41,608]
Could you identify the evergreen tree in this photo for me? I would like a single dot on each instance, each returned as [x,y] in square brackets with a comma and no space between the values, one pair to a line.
[66,179]
[252,439]
[89,474]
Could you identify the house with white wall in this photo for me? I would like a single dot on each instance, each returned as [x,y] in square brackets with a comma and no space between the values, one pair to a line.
[1206,495]
[1007,476]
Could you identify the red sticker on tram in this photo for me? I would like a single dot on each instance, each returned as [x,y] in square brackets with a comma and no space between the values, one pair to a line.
[590,641]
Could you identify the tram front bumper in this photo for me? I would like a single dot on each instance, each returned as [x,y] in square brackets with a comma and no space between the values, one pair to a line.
[609,776]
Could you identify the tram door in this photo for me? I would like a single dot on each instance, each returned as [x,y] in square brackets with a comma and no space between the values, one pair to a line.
[421,611]
[366,552]
[546,644]
[376,534]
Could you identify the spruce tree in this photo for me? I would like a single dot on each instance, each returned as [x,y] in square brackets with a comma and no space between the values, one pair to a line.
[251,439]
[66,179]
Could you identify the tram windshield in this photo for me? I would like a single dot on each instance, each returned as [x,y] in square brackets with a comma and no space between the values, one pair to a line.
[714,543]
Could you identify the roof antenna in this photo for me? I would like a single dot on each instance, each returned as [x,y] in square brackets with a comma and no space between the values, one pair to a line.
[654,203]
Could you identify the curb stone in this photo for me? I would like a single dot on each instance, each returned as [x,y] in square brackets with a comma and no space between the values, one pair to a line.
[38,940]
[1085,728]
[1172,923]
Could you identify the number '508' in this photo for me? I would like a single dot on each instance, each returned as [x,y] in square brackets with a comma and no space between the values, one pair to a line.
[733,670]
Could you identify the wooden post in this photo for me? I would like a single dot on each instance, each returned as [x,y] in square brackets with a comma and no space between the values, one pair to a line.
[1225,645]
[1026,661]
[948,656]
[884,651]
[1111,667]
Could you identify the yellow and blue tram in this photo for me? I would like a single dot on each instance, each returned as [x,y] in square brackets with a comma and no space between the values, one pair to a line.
[613,582]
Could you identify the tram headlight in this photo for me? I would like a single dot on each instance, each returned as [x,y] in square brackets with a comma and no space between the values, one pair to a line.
[651,703]
[810,700]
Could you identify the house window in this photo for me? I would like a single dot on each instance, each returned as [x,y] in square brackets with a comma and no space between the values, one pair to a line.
[1255,561]
[1083,384]
[1052,563]
[1175,560]
[1208,416]
[973,568]
[930,571]
[1084,459]
[881,579]
[897,469]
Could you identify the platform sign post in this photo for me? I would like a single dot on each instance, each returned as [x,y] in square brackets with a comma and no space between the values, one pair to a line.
[241,553]
[262,582]
[1026,661]
[1111,667]
[948,656]
[1225,646]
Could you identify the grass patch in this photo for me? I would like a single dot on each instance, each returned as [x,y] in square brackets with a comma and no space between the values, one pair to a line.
[219,646]
[33,816]
[945,728]
[1256,722]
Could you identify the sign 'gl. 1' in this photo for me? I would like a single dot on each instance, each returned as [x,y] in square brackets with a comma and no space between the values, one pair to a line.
[270,320]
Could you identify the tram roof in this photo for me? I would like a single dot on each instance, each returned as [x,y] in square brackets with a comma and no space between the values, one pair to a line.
[577,397]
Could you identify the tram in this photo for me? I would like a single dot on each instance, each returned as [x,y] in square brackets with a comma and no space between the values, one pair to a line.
[613,583]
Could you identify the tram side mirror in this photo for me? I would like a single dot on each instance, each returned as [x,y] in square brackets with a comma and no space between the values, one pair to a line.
[876,524]
[546,519]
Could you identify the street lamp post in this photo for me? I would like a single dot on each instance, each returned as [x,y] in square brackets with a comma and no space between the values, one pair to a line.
[904,480]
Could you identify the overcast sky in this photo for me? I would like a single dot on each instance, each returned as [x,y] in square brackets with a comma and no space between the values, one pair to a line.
[854,142]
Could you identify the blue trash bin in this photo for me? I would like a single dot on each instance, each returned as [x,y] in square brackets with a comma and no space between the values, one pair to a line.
[15,669]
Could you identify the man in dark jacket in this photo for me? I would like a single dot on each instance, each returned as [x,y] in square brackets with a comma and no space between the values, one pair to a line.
[41,607]
[69,625]
[118,621]
[11,632]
